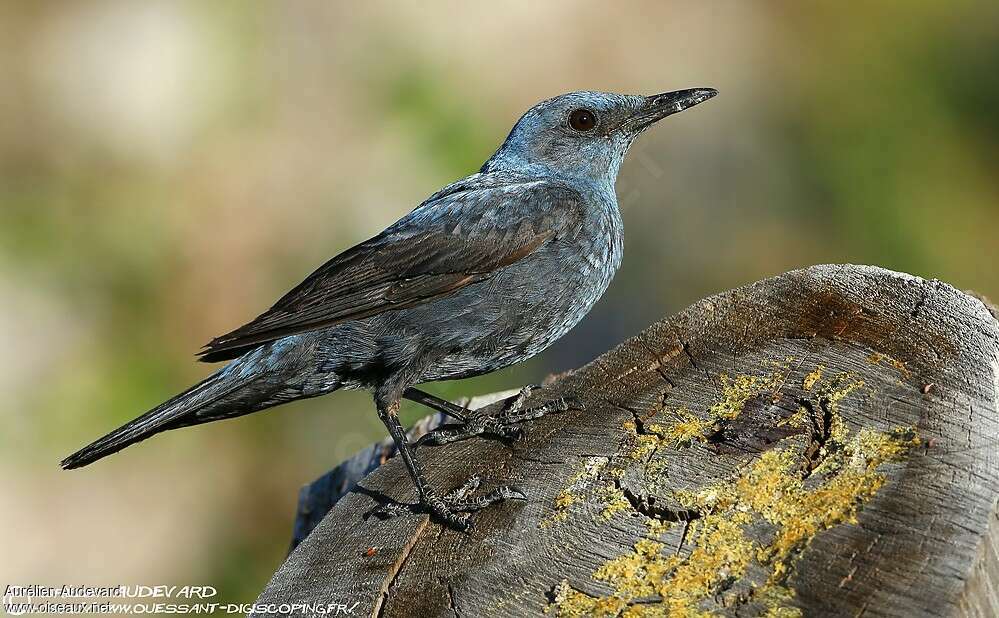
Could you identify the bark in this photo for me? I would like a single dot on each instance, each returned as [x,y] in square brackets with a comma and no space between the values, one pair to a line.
[820,443]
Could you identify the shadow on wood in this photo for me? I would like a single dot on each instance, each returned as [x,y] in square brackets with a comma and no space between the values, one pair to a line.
[318,497]
[821,442]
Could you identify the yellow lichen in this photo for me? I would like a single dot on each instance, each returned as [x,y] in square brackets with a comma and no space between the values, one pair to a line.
[809,381]
[657,528]
[570,603]
[775,490]
[614,502]
[839,387]
[775,493]
[778,611]
[830,394]
[642,444]
[799,419]
[735,394]
[577,487]
[721,551]
[876,358]
[596,481]
[686,429]
[739,390]
[635,575]
[827,398]
[689,427]
[565,499]
[646,444]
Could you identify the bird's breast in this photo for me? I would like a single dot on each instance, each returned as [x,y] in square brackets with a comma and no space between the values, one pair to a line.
[568,278]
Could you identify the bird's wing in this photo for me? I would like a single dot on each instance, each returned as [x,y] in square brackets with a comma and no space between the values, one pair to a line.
[451,241]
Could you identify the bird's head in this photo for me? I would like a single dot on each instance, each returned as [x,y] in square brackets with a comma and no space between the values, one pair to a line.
[586,134]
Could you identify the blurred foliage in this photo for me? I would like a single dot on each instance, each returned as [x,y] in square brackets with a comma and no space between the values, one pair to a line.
[168,169]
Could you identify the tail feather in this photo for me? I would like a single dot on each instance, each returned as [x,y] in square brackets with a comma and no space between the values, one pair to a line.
[167,415]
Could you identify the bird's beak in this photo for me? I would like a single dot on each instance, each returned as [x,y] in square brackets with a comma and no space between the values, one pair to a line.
[656,107]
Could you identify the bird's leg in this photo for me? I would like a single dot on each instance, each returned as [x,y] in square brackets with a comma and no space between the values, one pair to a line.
[446,509]
[436,403]
[504,425]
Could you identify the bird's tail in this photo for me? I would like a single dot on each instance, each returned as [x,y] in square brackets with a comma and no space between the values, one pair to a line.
[256,381]
[162,417]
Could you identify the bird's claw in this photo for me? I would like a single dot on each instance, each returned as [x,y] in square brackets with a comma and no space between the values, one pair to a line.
[515,412]
[475,426]
[504,425]
[454,508]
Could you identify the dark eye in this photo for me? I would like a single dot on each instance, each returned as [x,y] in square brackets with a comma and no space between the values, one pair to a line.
[582,120]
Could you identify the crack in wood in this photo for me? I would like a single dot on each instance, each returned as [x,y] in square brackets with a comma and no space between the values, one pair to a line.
[648,507]
[690,357]
[657,366]
[450,600]
[637,415]
[818,438]
[390,578]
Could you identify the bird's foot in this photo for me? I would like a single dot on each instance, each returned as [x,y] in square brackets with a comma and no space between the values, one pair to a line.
[504,425]
[454,508]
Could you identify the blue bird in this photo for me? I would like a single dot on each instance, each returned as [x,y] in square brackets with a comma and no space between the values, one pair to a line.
[485,273]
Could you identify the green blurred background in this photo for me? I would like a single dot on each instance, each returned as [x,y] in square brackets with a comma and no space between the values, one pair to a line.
[167,169]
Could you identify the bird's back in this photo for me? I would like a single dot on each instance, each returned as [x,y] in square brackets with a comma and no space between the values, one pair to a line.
[517,311]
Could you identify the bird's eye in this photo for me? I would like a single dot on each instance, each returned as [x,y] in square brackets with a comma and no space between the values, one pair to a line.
[582,120]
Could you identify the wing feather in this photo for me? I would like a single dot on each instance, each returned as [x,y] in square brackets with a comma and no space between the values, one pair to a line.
[451,241]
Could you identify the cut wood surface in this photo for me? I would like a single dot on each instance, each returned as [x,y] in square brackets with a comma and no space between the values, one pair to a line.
[821,443]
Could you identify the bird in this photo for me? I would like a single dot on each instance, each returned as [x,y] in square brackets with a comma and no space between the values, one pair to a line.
[487,272]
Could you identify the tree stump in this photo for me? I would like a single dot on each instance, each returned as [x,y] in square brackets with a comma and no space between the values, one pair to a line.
[820,443]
